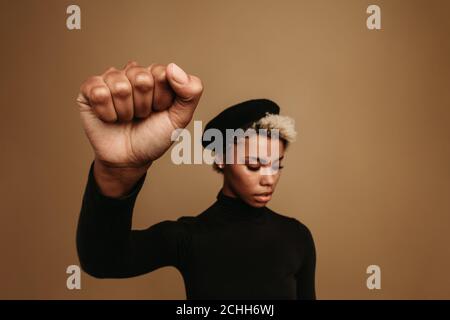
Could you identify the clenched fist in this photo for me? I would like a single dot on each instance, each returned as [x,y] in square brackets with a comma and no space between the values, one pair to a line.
[129,114]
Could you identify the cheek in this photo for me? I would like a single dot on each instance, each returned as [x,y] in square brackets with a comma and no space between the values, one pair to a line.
[252,182]
[246,180]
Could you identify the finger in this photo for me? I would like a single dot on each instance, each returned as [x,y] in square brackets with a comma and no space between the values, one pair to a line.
[121,93]
[142,85]
[188,90]
[162,92]
[130,64]
[95,93]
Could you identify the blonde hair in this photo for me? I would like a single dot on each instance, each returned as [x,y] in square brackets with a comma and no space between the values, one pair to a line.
[285,125]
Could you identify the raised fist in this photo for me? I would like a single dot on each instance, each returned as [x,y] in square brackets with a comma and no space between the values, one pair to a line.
[129,114]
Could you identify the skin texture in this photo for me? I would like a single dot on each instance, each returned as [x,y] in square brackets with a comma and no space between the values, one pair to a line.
[128,116]
[254,183]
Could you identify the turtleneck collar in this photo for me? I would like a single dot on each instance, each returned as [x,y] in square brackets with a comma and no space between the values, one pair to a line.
[237,208]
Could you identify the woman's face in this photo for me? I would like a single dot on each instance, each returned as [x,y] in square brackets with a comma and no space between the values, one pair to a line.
[253,179]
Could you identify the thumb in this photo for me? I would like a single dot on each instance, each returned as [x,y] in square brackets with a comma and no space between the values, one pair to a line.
[188,90]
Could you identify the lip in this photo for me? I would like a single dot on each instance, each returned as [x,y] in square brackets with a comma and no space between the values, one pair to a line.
[263,197]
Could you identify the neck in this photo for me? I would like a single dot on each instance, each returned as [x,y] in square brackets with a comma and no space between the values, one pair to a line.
[236,208]
[228,191]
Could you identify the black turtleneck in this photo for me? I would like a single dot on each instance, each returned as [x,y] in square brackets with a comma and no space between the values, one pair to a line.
[229,251]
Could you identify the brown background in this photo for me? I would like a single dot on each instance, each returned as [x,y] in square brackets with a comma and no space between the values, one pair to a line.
[369,174]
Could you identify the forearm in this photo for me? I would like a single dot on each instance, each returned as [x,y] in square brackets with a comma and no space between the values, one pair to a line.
[104,227]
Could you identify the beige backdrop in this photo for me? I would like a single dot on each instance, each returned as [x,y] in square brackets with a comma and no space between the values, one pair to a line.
[369,174]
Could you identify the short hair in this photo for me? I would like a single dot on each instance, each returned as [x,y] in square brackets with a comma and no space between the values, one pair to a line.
[284,124]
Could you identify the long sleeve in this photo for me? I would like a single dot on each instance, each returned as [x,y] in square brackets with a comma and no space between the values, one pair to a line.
[109,248]
[306,289]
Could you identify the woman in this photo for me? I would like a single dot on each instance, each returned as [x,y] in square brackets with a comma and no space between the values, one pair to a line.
[237,248]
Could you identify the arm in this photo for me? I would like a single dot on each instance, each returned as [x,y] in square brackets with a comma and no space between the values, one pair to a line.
[109,248]
[129,116]
[306,276]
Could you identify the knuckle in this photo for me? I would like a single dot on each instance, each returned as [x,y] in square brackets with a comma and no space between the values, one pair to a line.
[159,72]
[143,81]
[121,89]
[155,66]
[99,94]
[160,76]
[130,64]
[131,70]
[135,69]
[92,79]
[111,70]
[89,82]
[112,75]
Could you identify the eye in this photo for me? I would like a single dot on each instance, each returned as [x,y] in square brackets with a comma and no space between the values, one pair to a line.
[277,165]
[277,169]
[253,167]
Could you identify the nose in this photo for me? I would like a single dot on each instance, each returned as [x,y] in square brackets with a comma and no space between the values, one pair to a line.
[268,179]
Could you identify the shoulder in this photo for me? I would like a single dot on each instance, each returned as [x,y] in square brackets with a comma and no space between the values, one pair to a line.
[293,224]
[180,227]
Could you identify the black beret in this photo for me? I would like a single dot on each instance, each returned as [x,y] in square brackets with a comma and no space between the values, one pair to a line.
[240,115]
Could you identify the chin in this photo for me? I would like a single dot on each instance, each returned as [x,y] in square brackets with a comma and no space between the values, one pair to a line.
[258,204]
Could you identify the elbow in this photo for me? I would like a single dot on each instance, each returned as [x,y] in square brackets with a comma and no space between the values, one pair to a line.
[94,268]
[99,259]
[95,263]
[95,273]
[100,272]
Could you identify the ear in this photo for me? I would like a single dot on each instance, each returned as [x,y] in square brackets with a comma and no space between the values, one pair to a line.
[218,160]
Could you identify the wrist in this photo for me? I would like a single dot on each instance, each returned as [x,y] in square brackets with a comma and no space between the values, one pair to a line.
[117,182]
